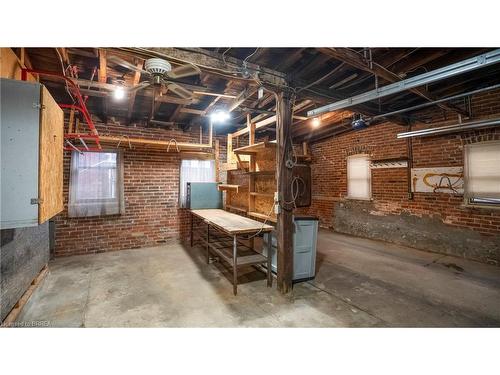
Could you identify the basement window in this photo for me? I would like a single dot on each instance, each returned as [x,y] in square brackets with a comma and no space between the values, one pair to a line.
[359,177]
[194,171]
[96,184]
[482,174]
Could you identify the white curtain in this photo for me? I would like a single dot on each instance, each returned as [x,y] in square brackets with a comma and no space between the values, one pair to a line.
[482,165]
[194,171]
[96,184]
[358,177]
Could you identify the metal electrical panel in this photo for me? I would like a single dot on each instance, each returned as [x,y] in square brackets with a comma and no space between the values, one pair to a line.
[20,124]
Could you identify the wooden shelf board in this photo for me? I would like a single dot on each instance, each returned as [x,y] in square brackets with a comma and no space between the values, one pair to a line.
[257,194]
[261,173]
[226,187]
[236,208]
[234,166]
[258,215]
[246,256]
[252,149]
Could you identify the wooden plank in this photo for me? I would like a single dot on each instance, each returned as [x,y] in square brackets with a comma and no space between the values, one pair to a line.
[50,181]
[259,194]
[12,316]
[258,215]
[285,216]
[231,223]
[211,62]
[103,75]
[10,65]
[217,160]
[172,146]
[251,130]
[244,95]
[226,187]
[135,81]
[252,149]
[193,111]
[236,208]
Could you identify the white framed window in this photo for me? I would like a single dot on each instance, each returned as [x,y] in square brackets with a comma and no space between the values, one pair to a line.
[359,177]
[482,174]
[96,184]
[194,170]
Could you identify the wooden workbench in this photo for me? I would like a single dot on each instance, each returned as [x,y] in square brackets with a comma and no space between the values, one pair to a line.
[230,249]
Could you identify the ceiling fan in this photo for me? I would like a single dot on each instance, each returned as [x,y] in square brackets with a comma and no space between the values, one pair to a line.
[162,75]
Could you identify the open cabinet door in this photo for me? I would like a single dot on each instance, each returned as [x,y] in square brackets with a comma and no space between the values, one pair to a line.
[50,182]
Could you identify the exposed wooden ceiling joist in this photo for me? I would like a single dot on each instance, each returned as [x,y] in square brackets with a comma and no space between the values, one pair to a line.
[356,60]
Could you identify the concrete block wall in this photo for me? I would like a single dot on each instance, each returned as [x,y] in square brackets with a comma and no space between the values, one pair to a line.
[151,186]
[436,222]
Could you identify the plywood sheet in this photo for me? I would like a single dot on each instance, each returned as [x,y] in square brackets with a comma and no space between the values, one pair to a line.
[231,223]
[10,66]
[50,188]
[233,198]
[265,160]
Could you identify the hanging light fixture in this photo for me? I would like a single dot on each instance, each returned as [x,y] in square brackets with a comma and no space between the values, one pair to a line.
[219,116]
[316,122]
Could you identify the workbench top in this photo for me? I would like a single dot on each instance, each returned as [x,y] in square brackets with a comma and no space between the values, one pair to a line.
[231,223]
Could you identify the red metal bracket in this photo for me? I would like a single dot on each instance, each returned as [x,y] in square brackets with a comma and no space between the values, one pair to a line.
[81,107]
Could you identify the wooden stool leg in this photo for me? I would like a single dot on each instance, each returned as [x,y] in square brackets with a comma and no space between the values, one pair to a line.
[235,266]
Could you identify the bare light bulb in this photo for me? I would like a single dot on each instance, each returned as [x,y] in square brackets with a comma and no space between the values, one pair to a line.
[119,93]
[219,116]
[315,122]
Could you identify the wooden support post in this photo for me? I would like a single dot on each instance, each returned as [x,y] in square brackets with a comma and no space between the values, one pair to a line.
[251,130]
[285,215]
[229,148]
[217,160]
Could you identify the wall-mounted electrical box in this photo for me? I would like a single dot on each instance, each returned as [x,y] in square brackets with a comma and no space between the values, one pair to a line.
[32,132]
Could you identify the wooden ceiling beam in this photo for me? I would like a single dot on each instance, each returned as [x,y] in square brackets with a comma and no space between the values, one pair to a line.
[211,62]
[356,60]
[103,76]
[135,81]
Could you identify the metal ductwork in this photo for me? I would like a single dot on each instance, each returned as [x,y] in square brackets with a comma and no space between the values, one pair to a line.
[448,71]
[451,128]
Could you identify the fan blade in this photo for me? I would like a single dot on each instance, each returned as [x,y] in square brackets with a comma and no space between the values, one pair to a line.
[124,63]
[179,90]
[140,86]
[184,71]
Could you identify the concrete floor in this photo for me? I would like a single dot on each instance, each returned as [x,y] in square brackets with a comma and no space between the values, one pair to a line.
[359,283]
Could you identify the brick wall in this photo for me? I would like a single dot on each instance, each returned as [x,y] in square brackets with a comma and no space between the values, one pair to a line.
[444,223]
[151,188]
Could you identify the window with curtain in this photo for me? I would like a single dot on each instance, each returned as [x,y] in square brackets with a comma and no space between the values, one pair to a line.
[482,173]
[359,177]
[96,184]
[194,171]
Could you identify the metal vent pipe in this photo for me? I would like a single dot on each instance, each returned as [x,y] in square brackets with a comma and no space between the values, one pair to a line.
[451,128]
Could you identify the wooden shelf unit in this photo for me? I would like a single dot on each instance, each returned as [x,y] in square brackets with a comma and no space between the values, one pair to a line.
[258,175]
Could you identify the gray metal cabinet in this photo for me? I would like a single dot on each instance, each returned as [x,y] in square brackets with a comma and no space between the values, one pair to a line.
[23,122]
[304,248]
